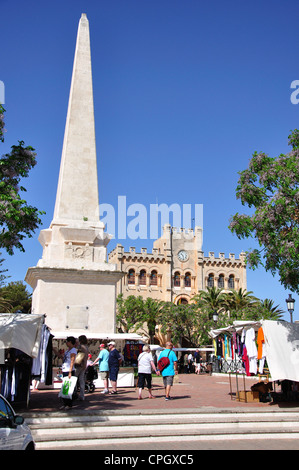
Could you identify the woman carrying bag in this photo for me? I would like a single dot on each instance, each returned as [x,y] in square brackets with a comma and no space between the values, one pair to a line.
[68,370]
[80,364]
[145,364]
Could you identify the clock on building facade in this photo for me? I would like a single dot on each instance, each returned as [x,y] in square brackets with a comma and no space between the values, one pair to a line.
[183,255]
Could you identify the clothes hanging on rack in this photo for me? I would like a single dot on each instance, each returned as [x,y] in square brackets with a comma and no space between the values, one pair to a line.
[227,352]
[42,364]
[218,351]
[43,361]
[245,360]
[248,337]
[15,373]
[260,349]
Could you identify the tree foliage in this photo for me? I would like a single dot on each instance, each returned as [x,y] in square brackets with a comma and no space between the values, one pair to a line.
[14,297]
[2,271]
[190,324]
[17,218]
[239,301]
[129,312]
[213,300]
[181,321]
[136,314]
[271,187]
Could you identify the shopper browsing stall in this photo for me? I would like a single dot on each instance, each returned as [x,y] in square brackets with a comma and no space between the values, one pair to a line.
[102,359]
[114,362]
[68,365]
[145,366]
[171,370]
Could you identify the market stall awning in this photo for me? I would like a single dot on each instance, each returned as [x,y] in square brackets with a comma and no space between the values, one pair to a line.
[155,347]
[282,349]
[237,326]
[21,331]
[103,336]
[281,345]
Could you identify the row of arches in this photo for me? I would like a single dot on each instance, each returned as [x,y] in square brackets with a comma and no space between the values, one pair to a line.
[212,281]
[153,277]
[179,280]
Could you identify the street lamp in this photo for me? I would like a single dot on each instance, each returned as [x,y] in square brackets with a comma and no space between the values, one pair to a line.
[215,316]
[290,306]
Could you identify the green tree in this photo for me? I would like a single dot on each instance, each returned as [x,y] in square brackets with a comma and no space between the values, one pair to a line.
[237,302]
[271,311]
[180,322]
[129,312]
[136,314]
[16,297]
[212,300]
[2,271]
[17,218]
[270,186]
[151,316]
[189,324]
[205,324]
[5,306]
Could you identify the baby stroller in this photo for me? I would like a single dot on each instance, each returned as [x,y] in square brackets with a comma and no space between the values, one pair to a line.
[90,375]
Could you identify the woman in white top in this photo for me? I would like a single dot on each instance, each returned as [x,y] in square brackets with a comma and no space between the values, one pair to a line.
[145,366]
[68,365]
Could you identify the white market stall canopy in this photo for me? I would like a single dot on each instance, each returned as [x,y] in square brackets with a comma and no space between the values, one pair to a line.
[237,327]
[282,349]
[156,347]
[281,345]
[103,336]
[21,331]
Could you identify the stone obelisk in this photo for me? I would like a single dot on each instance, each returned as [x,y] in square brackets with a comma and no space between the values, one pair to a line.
[72,283]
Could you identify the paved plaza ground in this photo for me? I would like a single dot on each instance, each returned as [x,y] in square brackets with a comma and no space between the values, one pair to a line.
[190,391]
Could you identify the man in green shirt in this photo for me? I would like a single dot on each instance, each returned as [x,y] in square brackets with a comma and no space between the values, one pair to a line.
[102,359]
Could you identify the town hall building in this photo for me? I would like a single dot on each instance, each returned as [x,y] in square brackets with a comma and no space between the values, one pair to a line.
[176,269]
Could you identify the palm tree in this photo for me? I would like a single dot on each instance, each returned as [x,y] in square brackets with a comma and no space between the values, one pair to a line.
[213,299]
[271,312]
[239,302]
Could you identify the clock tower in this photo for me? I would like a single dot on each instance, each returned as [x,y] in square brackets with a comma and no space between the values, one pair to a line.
[185,256]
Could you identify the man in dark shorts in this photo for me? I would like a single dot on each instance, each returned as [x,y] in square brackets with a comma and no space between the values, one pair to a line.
[114,362]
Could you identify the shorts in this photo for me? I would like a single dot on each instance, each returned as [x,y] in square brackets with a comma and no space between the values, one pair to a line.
[104,374]
[167,380]
[113,373]
[142,378]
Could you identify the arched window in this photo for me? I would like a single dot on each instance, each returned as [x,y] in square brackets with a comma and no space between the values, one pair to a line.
[211,280]
[177,279]
[131,276]
[142,278]
[154,278]
[221,281]
[231,281]
[182,301]
[187,280]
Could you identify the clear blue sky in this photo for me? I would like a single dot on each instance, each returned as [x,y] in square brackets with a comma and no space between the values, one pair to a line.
[184,92]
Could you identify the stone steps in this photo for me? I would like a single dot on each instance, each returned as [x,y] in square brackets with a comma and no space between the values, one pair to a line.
[62,430]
